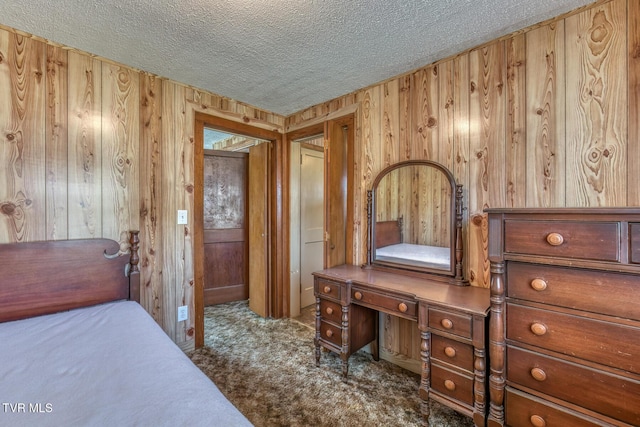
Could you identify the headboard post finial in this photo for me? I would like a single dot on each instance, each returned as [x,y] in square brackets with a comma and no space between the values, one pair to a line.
[134,271]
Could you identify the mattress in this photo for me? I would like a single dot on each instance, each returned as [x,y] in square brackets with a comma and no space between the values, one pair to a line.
[106,365]
[420,255]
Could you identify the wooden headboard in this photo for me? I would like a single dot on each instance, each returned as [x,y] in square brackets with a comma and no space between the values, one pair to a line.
[388,233]
[46,277]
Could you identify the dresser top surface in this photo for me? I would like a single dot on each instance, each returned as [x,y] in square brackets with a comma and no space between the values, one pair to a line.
[466,298]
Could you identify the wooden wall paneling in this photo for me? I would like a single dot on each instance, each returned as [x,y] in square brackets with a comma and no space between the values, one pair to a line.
[516,126]
[56,143]
[545,125]
[460,154]
[633,198]
[186,193]
[596,55]
[23,194]
[85,146]
[170,246]
[446,115]
[390,123]
[425,114]
[120,152]
[151,196]
[405,123]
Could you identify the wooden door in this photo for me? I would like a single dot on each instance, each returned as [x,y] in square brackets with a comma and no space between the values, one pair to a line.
[311,221]
[259,238]
[225,227]
[338,198]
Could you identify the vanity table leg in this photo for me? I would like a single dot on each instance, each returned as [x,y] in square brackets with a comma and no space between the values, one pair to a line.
[479,392]
[317,337]
[425,382]
[345,342]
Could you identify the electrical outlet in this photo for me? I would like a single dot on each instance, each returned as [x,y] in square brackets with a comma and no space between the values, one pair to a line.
[182,217]
[183,313]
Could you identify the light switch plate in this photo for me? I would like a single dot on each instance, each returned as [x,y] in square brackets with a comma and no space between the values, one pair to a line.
[182,217]
[183,313]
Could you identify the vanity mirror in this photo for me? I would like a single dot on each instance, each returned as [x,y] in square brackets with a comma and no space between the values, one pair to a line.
[414,214]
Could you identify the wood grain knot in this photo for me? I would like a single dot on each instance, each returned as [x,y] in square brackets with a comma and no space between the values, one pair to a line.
[246,119]
[476,220]
[8,208]
[11,136]
[189,188]
[431,122]
[539,111]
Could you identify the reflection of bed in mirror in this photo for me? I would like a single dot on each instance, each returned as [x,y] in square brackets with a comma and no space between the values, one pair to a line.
[414,216]
[391,247]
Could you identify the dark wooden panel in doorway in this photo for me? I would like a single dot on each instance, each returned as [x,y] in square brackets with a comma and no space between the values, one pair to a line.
[225,227]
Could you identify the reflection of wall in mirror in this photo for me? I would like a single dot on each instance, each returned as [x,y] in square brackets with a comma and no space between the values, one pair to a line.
[422,195]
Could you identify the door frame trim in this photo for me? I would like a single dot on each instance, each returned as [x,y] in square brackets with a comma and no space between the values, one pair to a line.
[278,262]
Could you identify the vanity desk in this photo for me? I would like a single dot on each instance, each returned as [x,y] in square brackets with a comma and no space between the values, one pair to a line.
[413,271]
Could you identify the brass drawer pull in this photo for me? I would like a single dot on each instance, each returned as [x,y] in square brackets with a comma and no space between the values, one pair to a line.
[403,307]
[539,285]
[537,421]
[329,311]
[450,352]
[538,374]
[446,323]
[327,289]
[449,385]
[357,295]
[538,329]
[329,333]
[555,239]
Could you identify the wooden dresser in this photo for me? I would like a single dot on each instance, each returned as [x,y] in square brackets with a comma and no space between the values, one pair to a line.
[451,319]
[564,338]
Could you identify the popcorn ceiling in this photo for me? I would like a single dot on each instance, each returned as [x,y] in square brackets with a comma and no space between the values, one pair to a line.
[278,55]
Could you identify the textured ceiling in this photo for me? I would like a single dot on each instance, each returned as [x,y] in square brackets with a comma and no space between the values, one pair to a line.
[278,55]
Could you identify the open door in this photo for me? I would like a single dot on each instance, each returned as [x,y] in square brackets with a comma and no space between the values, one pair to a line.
[259,238]
[338,199]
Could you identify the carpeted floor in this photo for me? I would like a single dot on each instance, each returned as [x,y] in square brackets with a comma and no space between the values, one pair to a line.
[266,368]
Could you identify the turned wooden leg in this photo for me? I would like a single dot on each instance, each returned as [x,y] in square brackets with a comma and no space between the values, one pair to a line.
[317,337]
[425,381]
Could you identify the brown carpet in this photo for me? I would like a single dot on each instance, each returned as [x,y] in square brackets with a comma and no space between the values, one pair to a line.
[266,368]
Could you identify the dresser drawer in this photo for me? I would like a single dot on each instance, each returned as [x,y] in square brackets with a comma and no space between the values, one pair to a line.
[331,311]
[452,384]
[331,333]
[576,288]
[453,352]
[328,289]
[607,394]
[404,307]
[525,410]
[567,239]
[455,323]
[611,344]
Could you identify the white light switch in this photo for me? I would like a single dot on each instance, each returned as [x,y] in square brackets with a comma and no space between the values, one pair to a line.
[182,217]
[183,313]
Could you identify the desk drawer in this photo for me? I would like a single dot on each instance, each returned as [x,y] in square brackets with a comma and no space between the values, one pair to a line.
[453,352]
[607,394]
[331,333]
[328,289]
[452,384]
[576,288]
[452,322]
[612,344]
[331,311]
[404,307]
[568,239]
[525,410]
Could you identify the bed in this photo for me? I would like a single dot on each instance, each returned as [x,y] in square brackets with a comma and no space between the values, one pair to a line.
[77,348]
[391,247]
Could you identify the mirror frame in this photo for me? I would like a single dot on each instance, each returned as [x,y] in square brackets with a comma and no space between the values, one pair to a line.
[454,273]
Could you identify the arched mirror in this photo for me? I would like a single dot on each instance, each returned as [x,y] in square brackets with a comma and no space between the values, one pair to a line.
[414,212]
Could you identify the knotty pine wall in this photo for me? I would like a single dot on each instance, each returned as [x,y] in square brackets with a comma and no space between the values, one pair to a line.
[91,148]
[546,117]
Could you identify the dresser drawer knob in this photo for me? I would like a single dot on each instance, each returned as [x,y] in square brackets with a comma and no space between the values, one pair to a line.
[537,421]
[403,307]
[538,329]
[329,333]
[538,285]
[357,295]
[555,239]
[329,311]
[538,374]
[449,385]
[450,351]
[446,323]
[327,289]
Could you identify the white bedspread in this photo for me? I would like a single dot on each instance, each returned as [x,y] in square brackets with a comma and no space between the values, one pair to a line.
[107,365]
[434,256]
